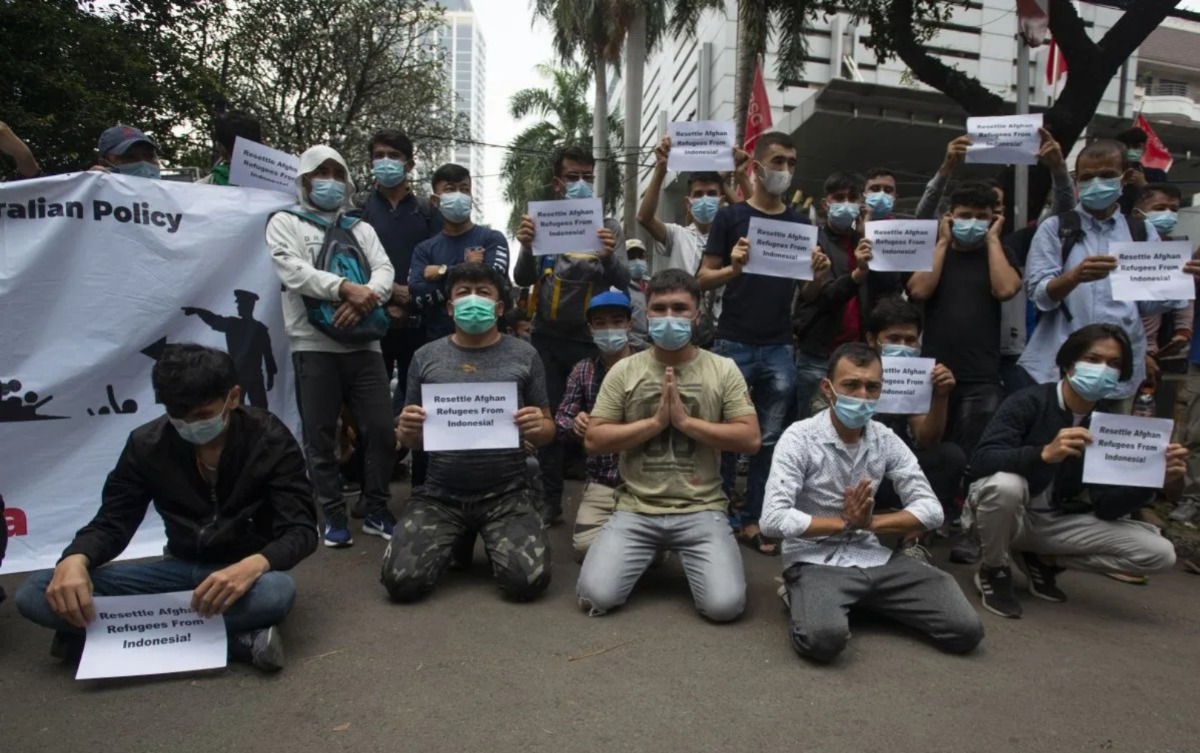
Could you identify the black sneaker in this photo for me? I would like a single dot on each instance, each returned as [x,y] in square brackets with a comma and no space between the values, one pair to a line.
[262,648]
[552,516]
[67,646]
[358,509]
[996,589]
[1040,577]
[967,550]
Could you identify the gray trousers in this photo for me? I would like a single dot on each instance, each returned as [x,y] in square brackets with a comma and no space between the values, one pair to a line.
[628,543]
[1190,395]
[908,591]
[999,508]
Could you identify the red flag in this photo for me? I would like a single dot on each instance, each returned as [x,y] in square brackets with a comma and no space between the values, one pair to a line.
[1056,64]
[1156,155]
[758,113]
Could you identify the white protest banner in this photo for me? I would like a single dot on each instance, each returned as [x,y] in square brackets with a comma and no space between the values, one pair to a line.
[902,245]
[470,416]
[133,264]
[1127,450]
[1004,140]
[1152,271]
[255,165]
[701,145]
[780,249]
[566,226]
[150,634]
[907,386]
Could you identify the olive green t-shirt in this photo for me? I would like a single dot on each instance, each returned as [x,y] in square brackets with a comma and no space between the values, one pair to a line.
[672,473]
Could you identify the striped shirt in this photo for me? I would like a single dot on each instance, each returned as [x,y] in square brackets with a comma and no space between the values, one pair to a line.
[583,384]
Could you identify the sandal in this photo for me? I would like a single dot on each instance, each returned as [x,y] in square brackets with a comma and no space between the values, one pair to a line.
[760,543]
[1133,580]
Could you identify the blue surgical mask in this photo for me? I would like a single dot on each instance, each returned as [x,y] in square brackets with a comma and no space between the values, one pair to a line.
[1134,155]
[327,193]
[610,341]
[1094,381]
[388,172]
[670,332]
[843,214]
[1164,222]
[1099,193]
[969,233]
[853,412]
[474,314]
[638,269]
[139,170]
[579,189]
[456,206]
[891,350]
[704,209]
[199,432]
[880,203]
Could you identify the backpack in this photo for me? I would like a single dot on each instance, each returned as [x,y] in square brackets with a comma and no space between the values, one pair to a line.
[1070,232]
[342,255]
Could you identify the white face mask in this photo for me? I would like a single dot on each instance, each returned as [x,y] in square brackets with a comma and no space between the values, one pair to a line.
[775,181]
[200,432]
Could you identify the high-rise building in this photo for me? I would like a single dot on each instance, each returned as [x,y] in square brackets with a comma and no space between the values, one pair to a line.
[462,41]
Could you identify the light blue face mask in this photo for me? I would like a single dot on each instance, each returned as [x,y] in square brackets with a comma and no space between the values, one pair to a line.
[638,269]
[200,432]
[892,350]
[969,233]
[579,189]
[1099,193]
[388,172]
[704,209]
[610,341]
[881,204]
[455,207]
[670,332]
[843,214]
[327,193]
[1164,222]
[139,170]
[853,412]
[1094,381]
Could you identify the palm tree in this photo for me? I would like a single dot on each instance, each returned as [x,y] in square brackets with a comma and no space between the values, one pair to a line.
[564,119]
[788,21]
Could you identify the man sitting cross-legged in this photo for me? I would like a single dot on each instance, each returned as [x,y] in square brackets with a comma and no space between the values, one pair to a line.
[229,483]
[473,491]
[670,412]
[820,500]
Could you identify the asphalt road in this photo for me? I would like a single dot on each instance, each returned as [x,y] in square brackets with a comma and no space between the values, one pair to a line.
[1118,668]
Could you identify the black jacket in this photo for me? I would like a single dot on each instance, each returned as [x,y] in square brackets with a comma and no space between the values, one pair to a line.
[817,323]
[262,504]
[1012,443]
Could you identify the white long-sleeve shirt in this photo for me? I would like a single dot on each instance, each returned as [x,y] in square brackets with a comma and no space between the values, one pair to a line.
[809,476]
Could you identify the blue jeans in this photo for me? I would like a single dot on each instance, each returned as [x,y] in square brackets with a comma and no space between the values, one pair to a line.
[265,604]
[771,377]
[809,373]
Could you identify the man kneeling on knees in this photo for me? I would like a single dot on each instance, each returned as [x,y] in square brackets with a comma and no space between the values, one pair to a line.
[229,483]
[820,500]
[1030,496]
[670,412]
[469,492]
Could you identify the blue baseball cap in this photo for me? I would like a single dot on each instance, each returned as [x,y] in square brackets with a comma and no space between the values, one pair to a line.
[118,139]
[609,299]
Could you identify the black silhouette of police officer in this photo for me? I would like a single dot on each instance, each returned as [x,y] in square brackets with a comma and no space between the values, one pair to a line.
[249,344]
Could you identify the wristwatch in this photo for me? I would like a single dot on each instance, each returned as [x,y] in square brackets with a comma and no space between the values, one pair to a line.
[442,270]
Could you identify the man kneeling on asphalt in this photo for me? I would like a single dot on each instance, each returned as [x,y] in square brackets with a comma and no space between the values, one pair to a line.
[670,412]
[228,481]
[471,492]
[1030,496]
[820,501]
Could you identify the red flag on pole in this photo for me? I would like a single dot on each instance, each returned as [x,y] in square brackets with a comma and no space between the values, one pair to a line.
[1056,63]
[1156,156]
[758,112]
[1034,19]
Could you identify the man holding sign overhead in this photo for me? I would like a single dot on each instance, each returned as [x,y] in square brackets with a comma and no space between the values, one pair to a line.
[1033,495]
[472,491]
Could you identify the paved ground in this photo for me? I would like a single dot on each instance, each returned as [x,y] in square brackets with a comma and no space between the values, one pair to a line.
[1116,669]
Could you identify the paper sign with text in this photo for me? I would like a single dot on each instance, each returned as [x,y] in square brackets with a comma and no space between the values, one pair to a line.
[902,245]
[907,386]
[701,145]
[1004,140]
[470,416]
[1127,450]
[780,249]
[255,165]
[566,226]
[1152,271]
[151,634]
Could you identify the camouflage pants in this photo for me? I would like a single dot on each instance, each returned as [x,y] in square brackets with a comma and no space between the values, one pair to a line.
[432,523]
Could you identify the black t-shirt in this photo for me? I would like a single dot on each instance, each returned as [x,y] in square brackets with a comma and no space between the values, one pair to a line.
[755,309]
[962,318]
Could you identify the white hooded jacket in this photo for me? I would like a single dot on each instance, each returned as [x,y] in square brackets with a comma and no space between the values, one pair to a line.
[294,244]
